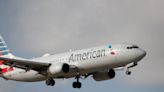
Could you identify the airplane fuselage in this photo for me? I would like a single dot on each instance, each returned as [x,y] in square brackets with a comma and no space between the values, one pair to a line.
[87,61]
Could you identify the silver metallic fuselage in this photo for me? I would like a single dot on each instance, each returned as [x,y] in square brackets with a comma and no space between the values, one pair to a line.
[87,61]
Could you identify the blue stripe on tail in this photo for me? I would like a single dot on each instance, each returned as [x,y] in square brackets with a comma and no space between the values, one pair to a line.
[5,53]
[3,47]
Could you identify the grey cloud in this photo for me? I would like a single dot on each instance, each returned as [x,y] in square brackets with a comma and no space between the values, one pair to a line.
[7,86]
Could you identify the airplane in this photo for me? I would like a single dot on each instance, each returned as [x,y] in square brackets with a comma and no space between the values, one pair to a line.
[99,62]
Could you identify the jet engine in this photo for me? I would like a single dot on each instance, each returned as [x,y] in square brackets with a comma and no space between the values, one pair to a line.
[101,76]
[58,68]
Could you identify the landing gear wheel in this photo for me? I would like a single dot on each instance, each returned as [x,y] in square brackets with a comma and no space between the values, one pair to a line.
[128,72]
[76,85]
[50,82]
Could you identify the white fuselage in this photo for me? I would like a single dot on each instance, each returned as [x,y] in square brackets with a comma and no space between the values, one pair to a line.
[87,60]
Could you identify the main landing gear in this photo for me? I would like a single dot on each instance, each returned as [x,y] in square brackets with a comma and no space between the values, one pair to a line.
[128,72]
[50,82]
[77,84]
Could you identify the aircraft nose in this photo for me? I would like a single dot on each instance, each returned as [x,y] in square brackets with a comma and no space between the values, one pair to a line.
[141,54]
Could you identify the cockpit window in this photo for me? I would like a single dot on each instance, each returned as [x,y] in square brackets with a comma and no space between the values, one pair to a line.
[129,48]
[135,46]
[132,47]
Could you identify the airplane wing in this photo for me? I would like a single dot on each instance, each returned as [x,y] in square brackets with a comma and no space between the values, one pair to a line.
[25,64]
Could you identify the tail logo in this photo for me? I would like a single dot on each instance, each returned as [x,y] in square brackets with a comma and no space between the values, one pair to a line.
[4,51]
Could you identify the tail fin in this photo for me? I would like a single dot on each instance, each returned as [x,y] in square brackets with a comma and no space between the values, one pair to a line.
[4,51]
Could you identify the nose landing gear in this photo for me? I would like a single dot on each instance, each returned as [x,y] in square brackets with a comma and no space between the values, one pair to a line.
[128,72]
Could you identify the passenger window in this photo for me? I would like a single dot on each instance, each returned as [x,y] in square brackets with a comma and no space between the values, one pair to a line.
[135,47]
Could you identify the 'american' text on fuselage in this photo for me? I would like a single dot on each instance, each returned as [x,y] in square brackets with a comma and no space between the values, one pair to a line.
[87,55]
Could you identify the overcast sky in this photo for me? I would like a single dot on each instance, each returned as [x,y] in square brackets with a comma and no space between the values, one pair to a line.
[32,28]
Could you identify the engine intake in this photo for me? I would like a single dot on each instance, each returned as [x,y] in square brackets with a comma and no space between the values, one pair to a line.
[111,73]
[58,68]
[66,68]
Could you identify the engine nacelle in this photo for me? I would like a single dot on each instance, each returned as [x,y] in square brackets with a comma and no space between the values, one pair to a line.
[58,68]
[101,76]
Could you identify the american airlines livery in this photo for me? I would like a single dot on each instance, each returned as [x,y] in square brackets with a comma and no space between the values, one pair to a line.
[99,62]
